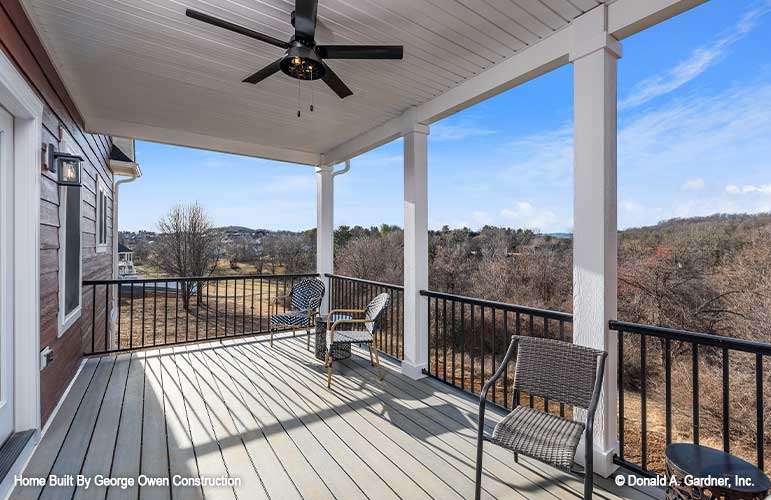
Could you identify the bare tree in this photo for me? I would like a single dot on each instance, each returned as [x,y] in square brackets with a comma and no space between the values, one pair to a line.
[187,246]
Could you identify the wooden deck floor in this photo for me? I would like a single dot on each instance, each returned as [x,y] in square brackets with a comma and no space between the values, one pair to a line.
[264,415]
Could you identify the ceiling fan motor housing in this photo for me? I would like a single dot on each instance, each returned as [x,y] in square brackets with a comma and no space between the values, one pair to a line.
[302,62]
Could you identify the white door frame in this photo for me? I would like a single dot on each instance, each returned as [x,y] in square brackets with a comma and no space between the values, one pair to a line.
[20,100]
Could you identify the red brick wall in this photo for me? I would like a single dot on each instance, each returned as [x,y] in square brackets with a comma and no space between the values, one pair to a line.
[20,43]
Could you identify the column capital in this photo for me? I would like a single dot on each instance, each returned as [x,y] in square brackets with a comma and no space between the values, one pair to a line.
[410,124]
[590,34]
[324,169]
[602,41]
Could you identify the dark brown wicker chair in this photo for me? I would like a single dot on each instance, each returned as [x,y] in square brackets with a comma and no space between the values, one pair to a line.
[558,371]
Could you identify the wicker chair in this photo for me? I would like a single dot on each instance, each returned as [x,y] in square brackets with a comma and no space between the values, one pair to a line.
[371,321]
[558,371]
[305,298]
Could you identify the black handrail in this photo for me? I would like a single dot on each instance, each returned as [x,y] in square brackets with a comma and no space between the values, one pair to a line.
[544,313]
[368,282]
[198,278]
[159,312]
[699,365]
[707,339]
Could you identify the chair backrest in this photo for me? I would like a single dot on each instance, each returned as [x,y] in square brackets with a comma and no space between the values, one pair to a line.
[307,293]
[375,309]
[556,370]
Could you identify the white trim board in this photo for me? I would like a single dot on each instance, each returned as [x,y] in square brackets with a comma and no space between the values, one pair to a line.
[20,100]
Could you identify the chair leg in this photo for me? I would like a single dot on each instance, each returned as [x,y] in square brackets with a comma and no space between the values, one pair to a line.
[308,344]
[516,457]
[588,465]
[271,337]
[478,477]
[373,347]
[371,361]
[328,364]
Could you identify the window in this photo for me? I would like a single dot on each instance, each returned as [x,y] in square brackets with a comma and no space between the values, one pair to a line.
[70,263]
[102,206]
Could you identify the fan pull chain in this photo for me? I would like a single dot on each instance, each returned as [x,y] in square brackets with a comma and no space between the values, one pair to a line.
[311,99]
[298,99]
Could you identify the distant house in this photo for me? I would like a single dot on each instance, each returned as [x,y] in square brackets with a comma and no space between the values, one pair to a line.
[125,262]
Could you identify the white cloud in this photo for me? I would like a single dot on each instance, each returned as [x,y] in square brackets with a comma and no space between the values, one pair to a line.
[748,189]
[524,215]
[445,132]
[694,184]
[697,62]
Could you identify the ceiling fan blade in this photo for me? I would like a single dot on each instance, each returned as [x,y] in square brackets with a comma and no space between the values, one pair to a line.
[263,73]
[360,51]
[200,16]
[335,83]
[305,19]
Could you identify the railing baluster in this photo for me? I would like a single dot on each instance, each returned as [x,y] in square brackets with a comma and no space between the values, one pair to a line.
[620,375]
[471,352]
[492,349]
[436,337]
[155,313]
[668,389]
[644,399]
[463,346]
[454,339]
[759,424]
[225,321]
[515,395]
[695,375]
[131,318]
[106,316]
[252,307]
[206,320]
[505,368]
[143,315]
[444,337]
[165,315]
[216,308]
[726,400]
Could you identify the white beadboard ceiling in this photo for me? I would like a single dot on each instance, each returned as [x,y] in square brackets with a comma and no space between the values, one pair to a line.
[145,63]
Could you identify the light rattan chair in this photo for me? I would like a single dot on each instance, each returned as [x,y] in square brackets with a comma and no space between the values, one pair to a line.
[370,317]
[558,371]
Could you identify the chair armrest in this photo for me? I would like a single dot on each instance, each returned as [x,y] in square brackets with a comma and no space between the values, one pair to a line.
[596,391]
[499,371]
[346,321]
[489,383]
[333,311]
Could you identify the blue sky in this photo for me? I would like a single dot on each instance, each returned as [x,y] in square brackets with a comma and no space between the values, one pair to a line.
[694,139]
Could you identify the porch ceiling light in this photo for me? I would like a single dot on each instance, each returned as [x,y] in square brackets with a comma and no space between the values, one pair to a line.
[302,62]
[67,167]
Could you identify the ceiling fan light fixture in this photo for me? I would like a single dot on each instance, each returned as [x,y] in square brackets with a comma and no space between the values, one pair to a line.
[302,63]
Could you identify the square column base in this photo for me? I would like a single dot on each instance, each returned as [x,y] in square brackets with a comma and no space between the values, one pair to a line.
[415,372]
[603,459]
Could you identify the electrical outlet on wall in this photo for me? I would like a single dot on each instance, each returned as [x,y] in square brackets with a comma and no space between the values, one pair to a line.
[46,357]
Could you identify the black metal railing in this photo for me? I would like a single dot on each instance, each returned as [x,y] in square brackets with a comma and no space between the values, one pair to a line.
[713,394]
[136,314]
[354,293]
[467,337]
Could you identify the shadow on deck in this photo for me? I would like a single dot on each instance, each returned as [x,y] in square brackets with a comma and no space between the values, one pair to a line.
[242,419]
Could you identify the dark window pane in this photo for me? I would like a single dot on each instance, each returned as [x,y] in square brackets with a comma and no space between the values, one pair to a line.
[72,250]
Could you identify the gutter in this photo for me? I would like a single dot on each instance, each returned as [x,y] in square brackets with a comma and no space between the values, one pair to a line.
[343,170]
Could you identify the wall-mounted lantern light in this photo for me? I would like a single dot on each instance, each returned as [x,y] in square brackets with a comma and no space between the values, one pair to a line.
[67,167]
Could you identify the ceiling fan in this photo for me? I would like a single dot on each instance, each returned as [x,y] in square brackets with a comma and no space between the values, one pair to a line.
[304,59]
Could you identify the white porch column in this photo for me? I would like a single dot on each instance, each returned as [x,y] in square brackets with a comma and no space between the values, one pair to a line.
[415,246]
[594,58]
[325,240]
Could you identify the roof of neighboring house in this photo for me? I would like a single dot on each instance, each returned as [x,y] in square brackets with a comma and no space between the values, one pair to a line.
[123,248]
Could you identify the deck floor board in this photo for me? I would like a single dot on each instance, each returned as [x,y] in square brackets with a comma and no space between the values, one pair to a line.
[243,409]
